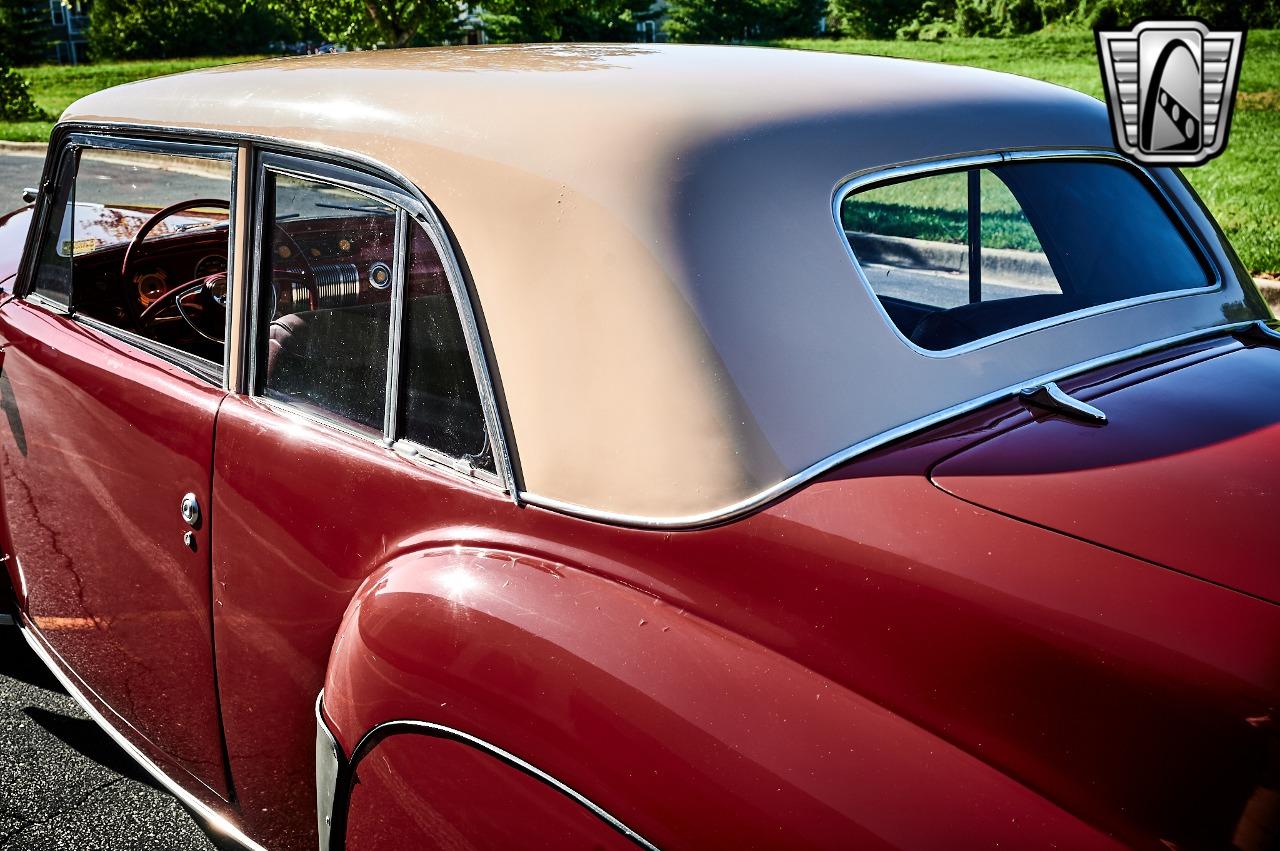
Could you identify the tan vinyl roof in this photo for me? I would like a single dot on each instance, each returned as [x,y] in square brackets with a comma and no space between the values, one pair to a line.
[676,321]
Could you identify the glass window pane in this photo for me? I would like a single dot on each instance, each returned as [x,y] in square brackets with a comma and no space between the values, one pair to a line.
[961,256]
[1013,260]
[329,256]
[910,238]
[441,407]
[53,271]
[167,213]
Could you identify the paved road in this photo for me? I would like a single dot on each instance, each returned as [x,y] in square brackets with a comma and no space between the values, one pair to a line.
[64,784]
[16,173]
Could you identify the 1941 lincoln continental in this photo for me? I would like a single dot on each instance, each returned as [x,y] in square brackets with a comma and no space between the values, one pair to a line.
[600,447]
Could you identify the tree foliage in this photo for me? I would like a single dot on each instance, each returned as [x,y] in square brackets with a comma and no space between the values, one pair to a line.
[24,32]
[561,20]
[167,28]
[15,95]
[368,23]
[940,18]
[723,21]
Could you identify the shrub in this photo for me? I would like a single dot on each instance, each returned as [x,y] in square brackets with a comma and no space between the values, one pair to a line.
[15,97]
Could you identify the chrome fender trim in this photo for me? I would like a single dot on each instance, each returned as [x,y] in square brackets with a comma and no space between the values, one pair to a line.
[334,775]
[211,820]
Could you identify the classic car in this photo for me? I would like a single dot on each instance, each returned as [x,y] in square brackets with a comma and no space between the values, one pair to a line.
[672,447]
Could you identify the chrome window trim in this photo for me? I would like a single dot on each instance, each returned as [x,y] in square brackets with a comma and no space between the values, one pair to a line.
[207,370]
[47,303]
[873,178]
[759,500]
[416,451]
[66,140]
[417,211]
[211,818]
[427,217]
[395,363]
[333,781]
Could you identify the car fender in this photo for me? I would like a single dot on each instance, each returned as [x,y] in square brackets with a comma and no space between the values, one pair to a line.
[679,732]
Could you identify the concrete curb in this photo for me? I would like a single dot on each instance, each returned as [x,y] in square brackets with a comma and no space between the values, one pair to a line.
[1270,291]
[1025,269]
[23,149]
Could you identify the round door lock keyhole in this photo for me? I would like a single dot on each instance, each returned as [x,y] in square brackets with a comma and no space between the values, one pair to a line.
[191,509]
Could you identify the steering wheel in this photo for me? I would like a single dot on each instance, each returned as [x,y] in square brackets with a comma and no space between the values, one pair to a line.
[210,284]
[207,286]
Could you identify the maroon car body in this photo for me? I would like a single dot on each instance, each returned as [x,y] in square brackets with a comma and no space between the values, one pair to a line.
[1006,624]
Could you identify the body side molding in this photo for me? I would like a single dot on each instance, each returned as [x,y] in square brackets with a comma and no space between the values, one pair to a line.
[334,774]
[211,819]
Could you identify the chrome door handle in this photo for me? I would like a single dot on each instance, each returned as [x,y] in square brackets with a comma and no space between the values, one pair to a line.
[191,510]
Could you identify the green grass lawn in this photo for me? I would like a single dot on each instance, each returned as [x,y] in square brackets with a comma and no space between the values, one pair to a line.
[1241,187]
[55,87]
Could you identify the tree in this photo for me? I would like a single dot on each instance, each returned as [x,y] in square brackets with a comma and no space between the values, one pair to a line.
[721,21]
[562,20]
[365,23]
[164,28]
[24,31]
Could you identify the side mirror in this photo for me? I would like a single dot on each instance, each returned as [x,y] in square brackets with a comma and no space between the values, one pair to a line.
[30,195]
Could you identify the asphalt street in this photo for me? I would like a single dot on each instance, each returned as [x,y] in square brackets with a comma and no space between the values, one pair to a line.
[64,784]
[17,171]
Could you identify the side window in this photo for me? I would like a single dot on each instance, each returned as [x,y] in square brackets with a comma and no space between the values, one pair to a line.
[139,240]
[441,405]
[328,257]
[956,257]
[331,273]
[53,269]
[946,240]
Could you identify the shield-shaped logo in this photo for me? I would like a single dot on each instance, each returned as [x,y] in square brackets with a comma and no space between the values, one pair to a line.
[1170,88]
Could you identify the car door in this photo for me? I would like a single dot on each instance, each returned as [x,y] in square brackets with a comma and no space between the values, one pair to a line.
[108,435]
[360,426]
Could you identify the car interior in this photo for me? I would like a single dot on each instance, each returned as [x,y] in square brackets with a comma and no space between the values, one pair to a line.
[158,268]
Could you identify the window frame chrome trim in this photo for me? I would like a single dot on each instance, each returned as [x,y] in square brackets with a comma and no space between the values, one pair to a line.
[343,773]
[793,482]
[417,211]
[872,178]
[426,216]
[212,819]
[67,140]
[395,363]
[207,370]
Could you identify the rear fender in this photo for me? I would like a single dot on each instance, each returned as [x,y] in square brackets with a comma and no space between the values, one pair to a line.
[675,729]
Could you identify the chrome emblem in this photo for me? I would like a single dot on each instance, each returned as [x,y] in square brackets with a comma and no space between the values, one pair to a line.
[1170,88]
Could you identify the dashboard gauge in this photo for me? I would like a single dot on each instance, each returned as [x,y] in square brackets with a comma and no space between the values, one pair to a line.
[211,265]
[151,285]
[379,276]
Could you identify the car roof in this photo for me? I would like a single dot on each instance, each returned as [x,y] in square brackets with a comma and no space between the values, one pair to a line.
[676,324]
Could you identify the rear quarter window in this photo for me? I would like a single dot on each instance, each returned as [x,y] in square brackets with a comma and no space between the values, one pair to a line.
[962,256]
